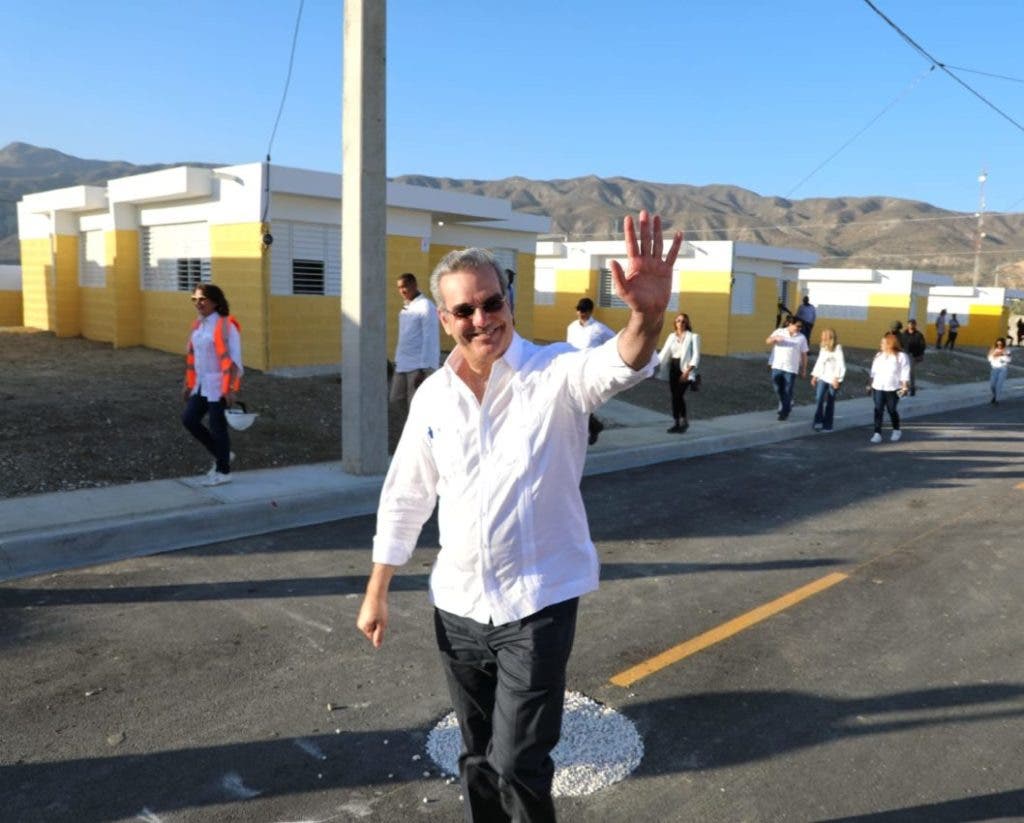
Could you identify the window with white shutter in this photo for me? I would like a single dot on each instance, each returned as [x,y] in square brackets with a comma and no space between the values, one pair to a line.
[91,271]
[305,259]
[176,257]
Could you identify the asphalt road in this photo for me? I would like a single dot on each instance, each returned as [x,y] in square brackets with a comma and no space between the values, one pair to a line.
[194,686]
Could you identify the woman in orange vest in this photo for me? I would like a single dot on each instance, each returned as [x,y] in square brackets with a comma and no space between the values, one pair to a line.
[213,374]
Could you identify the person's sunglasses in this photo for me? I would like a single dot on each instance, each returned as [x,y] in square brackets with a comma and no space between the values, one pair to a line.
[198,300]
[464,310]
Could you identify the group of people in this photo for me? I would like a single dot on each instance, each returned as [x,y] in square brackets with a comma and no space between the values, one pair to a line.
[497,436]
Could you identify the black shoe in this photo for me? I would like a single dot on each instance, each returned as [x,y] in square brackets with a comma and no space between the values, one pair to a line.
[683,426]
[782,416]
[913,392]
[676,429]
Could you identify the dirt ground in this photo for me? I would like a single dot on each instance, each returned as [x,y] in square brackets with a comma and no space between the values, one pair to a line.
[76,413]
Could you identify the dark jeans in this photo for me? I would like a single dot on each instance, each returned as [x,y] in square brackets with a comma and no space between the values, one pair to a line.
[825,409]
[508,687]
[678,389]
[784,383]
[887,401]
[215,438]
[951,340]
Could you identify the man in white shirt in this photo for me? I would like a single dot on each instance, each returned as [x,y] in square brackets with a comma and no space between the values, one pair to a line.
[585,333]
[497,435]
[789,356]
[418,350]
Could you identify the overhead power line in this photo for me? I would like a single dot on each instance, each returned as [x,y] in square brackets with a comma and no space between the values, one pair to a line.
[868,125]
[934,60]
[287,80]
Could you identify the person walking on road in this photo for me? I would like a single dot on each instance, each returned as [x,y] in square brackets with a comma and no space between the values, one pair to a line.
[496,437]
[418,349]
[999,359]
[788,357]
[587,333]
[679,359]
[954,330]
[826,377]
[213,376]
[914,344]
[940,328]
[890,377]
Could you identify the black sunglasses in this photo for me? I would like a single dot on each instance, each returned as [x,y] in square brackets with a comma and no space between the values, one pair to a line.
[464,310]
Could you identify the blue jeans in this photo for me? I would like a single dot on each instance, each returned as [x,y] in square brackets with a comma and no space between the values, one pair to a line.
[886,401]
[825,409]
[784,383]
[215,438]
[996,381]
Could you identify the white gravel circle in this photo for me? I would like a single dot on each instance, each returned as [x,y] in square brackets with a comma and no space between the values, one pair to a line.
[598,747]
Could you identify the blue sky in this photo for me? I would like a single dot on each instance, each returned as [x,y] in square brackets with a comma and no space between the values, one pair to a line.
[753,94]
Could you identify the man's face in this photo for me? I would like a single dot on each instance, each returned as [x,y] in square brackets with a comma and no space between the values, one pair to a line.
[794,329]
[583,315]
[407,290]
[911,327]
[483,336]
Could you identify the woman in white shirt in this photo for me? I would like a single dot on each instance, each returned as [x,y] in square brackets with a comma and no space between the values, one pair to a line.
[213,374]
[826,376]
[680,357]
[890,375]
[999,359]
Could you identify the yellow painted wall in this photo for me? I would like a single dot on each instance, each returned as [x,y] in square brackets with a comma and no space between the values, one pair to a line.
[747,332]
[96,310]
[706,297]
[36,266]
[987,323]
[550,322]
[239,265]
[167,317]
[64,289]
[11,308]
[123,280]
[305,330]
[524,286]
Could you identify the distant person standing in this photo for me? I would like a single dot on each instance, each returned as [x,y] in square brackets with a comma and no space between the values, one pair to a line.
[1020,331]
[954,330]
[999,358]
[213,376]
[807,314]
[788,357]
[890,376]
[940,328]
[587,333]
[914,345]
[418,350]
[511,275]
[679,359]
[826,377]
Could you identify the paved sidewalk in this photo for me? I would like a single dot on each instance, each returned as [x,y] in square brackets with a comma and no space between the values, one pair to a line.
[49,532]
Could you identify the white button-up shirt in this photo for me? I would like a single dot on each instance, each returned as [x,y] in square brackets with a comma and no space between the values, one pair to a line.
[419,338]
[588,335]
[513,530]
[787,350]
[208,373]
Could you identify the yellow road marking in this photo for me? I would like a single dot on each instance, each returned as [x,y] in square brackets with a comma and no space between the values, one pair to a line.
[719,633]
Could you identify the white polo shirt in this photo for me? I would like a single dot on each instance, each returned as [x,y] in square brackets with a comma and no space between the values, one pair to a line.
[787,349]
[513,530]
[419,336]
[589,334]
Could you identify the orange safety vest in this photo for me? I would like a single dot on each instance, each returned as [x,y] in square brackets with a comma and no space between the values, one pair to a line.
[220,344]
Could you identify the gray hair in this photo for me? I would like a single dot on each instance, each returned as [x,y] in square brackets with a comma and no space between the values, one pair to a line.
[478,260]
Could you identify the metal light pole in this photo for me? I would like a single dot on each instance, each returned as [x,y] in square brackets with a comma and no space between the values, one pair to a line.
[979,233]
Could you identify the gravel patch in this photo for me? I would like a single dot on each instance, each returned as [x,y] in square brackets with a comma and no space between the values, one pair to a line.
[599,747]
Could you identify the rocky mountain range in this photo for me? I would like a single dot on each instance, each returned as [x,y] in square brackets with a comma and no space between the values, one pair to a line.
[866,232]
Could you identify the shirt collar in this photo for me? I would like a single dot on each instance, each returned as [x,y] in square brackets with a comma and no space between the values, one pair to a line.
[512,358]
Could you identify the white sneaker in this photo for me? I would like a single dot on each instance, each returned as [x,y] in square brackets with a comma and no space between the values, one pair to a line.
[215,479]
[876,438]
[896,435]
[210,472]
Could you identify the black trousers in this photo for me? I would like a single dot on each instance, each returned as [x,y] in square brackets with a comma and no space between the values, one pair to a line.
[678,389]
[508,687]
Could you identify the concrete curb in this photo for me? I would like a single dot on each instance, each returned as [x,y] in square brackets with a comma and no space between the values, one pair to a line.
[64,530]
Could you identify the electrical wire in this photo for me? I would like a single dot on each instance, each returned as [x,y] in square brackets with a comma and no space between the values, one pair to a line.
[988,74]
[912,85]
[288,79]
[935,61]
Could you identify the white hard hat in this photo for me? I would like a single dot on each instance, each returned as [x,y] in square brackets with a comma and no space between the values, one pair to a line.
[240,418]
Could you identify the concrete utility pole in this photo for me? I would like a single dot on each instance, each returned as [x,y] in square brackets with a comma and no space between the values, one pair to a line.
[364,412]
[979,233]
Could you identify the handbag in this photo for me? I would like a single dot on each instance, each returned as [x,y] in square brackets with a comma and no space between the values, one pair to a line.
[695,382]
